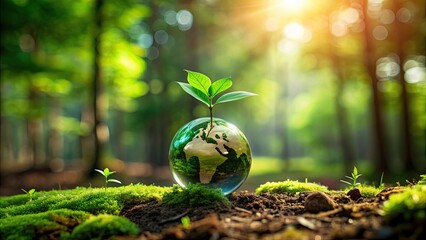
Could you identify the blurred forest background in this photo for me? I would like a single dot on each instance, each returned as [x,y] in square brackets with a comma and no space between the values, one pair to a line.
[91,84]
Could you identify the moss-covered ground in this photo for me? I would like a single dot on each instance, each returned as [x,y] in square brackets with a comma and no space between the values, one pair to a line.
[96,213]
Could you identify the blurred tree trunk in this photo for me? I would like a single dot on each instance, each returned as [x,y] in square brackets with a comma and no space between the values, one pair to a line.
[157,152]
[100,131]
[6,143]
[35,149]
[55,141]
[117,140]
[400,35]
[341,114]
[381,164]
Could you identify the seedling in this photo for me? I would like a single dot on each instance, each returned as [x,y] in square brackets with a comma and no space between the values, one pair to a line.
[29,193]
[354,176]
[186,222]
[382,184]
[106,173]
[201,88]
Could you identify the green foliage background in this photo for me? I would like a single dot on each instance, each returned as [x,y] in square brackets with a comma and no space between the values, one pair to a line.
[305,79]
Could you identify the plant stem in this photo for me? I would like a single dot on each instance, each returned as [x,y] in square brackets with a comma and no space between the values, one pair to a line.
[211,117]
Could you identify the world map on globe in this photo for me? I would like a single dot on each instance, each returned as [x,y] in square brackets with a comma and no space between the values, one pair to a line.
[217,156]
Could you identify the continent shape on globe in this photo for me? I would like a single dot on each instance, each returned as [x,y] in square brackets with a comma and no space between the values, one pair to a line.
[209,147]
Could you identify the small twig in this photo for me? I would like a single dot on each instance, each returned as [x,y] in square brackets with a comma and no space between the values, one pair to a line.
[243,210]
[172,219]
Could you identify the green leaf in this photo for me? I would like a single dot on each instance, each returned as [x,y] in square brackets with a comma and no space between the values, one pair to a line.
[100,171]
[234,96]
[355,171]
[114,180]
[199,81]
[31,191]
[106,171]
[219,86]
[197,94]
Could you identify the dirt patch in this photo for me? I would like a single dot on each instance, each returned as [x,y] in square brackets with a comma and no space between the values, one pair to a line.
[273,216]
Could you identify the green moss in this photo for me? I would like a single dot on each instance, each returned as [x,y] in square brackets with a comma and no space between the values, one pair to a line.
[289,186]
[92,200]
[408,205]
[194,195]
[422,180]
[41,225]
[54,214]
[367,190]
[103,227]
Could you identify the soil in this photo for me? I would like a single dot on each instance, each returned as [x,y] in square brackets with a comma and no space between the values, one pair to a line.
[276,216]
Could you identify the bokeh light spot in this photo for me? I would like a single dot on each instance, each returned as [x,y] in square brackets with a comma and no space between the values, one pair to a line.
[380,33]
[170,18]
[27,43]
[404,15]
[415,75]
[161,37]
[145,40]
[184,19]
[339,28]
[297,32]
[156,86]
[387,16]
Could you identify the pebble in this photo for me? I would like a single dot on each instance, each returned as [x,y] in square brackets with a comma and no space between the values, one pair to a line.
[354,194]
[319,202]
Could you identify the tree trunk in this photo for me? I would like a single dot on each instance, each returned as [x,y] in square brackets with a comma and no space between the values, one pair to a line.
[381,164]
[55,141]
[341,114]
[34,132]
[100,132]
[400,31]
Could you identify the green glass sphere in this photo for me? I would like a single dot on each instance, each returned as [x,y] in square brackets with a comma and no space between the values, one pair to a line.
[218,157]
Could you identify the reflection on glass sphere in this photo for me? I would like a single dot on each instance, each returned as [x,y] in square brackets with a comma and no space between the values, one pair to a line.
[218,157]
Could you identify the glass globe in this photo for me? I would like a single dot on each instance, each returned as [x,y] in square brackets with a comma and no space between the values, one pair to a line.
[218,157]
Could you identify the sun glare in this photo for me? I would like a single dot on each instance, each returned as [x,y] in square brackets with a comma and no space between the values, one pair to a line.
[291,5]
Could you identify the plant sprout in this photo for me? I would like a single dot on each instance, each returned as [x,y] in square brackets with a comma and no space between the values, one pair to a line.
[186,222]
[201,88]
[106,173]
[354,176]
[30,193]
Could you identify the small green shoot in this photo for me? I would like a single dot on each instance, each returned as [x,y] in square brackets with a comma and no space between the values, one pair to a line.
[382,184]
[354,178]
[201,88]
[106,173]
[186,222]
[422,181]
[30,193]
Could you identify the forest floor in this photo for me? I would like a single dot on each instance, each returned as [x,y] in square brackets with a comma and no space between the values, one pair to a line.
[275,216]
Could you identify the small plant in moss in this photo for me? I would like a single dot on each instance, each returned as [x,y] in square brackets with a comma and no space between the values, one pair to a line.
[106,173]
[407,205]
[291,187]
[29,193]
[104,227]
[422,180]
[194,195]
[186,222]
[354,176]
